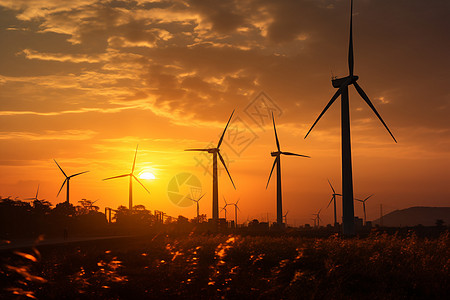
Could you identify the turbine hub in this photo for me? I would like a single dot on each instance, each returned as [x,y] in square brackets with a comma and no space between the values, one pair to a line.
[338,82]
[213,150]
[275,153]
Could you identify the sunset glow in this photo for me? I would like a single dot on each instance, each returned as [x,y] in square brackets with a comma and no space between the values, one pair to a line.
[84,82]
[146,175]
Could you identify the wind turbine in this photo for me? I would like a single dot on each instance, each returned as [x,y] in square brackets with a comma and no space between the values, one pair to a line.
[277,162]
[342,85]
[67,180]
[131,175]
[225,207]
[198,209]
[35,198]
[364,206]
[216,152]
[236,208]
[333,199]
[318,218]
[285,217]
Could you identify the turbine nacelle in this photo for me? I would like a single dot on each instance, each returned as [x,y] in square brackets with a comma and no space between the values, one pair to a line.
[275,153]
[338,82]
[213,150]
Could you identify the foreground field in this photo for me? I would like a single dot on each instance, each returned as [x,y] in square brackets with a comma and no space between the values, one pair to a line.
[232,267]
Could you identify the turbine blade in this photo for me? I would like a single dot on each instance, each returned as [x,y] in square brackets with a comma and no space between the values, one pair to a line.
[364,96]
[295,154]
[237,201]
[271,171]
[331,187]
[201,197]
[226,169]
[276,136]
[338,92]
[134,161]
[60,167]
[196,149]
[78,174]
[37,192]
[368,198]
[330,201]
[223,133]
[124,175]
[225,200]
[350,46]
[61,187]
[141,183]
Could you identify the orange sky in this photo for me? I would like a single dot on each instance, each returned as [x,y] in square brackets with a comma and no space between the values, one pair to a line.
[84,82]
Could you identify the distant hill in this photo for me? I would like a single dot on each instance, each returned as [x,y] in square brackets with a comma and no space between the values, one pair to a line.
[413,216]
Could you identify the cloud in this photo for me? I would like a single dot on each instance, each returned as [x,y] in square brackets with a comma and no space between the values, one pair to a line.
[77,135]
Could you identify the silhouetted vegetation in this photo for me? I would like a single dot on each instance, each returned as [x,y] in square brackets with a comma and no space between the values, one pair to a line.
[380,266]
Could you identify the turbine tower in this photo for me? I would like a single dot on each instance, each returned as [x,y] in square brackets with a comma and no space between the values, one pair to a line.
[66,181]
[277,162]
[236,208]
[216,152]
[364,206]
[132,176]
[333,199]
[342,85]
[198,208]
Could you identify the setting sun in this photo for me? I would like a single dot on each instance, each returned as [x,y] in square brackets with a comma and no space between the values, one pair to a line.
[146,175]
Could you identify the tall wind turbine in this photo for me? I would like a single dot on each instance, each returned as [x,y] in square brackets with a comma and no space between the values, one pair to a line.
[66,181]
[277,162]
[216,152]
[35,198]
[342,85]
[132,176]
[333,199]
[197,202]
[364,206]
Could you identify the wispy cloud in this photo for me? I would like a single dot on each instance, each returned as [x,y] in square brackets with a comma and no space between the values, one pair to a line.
[77,135]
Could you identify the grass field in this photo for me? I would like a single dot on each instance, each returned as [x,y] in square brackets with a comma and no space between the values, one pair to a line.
[380,266]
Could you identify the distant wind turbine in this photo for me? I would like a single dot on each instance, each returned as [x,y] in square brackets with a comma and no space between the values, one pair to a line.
[285,217]
[364,206]
[216,152]
[342,85]
[197,202]
[318,218]
[132,176]
[236,208]
[35,198]
[333,199]
[67,181]
[277,162]
[225,207]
